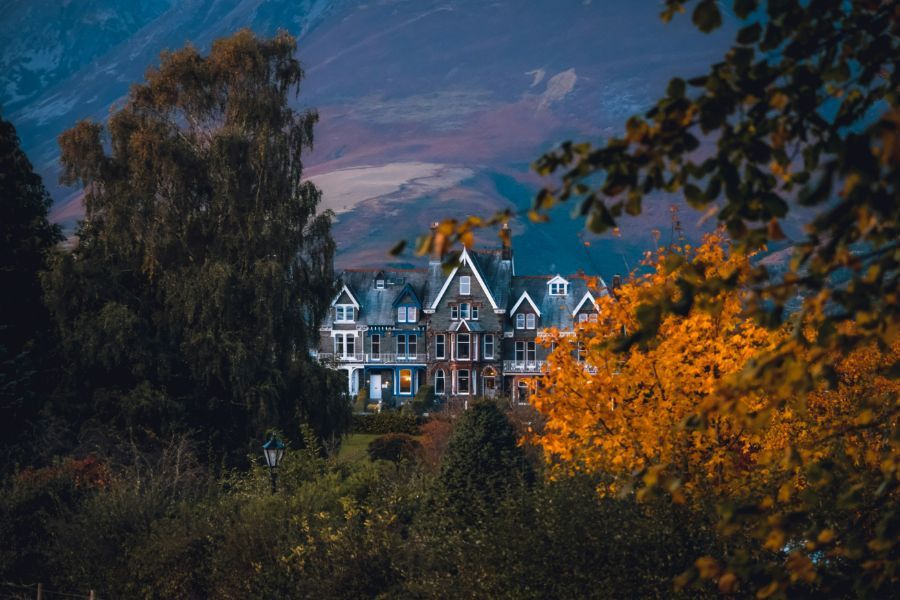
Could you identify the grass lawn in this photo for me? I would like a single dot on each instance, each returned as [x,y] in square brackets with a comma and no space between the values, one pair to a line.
[354,447]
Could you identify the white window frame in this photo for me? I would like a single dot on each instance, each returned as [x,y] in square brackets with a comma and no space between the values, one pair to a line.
[558,289]
[520,321]
[465,285]
[400,382]
[583,317]
[468,381]
[379,284]
[467,346]
[376,339]
[440,346]
[441,389]
[454,313]
[474,312]
[401,314]
[530,321]
[464,311]
[412,345]
[411,314]
[530,353]
[342,310]
[489,337]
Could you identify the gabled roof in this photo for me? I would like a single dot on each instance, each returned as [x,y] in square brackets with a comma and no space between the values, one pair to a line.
[558,279]
[407,289]
[349,293]
[524,296]
[465,259]
[459,325]
[587,296]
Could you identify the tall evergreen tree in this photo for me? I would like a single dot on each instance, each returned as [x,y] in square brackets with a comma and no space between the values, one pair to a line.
[203,266]
[483,460]
[26,238]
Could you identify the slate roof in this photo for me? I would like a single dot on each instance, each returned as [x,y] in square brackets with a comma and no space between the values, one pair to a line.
[376,307]
[556,311]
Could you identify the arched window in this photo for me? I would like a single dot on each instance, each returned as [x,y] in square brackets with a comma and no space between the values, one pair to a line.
[489,381]
[522,392]
[439,382]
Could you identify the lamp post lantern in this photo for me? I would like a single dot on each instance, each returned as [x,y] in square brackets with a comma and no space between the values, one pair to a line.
[273,450]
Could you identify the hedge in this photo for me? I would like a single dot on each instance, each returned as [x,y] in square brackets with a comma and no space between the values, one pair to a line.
[386,422]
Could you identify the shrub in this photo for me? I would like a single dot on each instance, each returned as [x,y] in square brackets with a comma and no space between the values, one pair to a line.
[385,422]
[395,447]
[362,400]
[435,437]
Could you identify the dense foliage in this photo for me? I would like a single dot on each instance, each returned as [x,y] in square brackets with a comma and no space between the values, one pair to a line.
[203,265]
[26,239]
[388,421]
[791,143]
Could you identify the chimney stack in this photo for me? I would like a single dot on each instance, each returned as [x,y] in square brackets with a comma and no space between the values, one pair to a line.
[506,253]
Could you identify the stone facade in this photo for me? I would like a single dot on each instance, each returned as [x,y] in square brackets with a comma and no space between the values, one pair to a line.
[472,332]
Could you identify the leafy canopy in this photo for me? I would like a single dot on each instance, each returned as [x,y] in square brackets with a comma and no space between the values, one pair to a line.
[203,266]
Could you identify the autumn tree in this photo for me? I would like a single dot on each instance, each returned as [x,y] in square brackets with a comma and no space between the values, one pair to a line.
[204,265]
[656,409]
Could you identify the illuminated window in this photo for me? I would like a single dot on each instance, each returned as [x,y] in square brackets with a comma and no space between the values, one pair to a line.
[405,381]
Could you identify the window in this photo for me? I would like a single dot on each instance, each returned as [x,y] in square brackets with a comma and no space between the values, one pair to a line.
[376,345]
[489,345]
[401,314]
[465,285]
[582,318]
[463,311]
[401,344]
[474,313]
[439,348]
[520,352]
[411,316]
[379,284]
[558,289]
[489,381]
[593,317]
[520,321]
[580,352]
[412,345]
[343,313]
[406,381]
[462,382]
[344,344]
[530,318]
[462,346]
[530,353]
[454,313]
[523,392]
[439,382]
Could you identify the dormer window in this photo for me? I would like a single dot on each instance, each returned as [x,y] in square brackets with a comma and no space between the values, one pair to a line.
[379,284]
[558,286]
[465,285]
[343,313]
[407,314]
[520,321]
[529,321]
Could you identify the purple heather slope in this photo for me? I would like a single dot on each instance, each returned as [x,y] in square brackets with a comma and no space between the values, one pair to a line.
[428,109]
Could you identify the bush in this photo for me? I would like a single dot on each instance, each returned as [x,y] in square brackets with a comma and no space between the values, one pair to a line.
[395,447]
[423,401]
[362,400]
[385,422]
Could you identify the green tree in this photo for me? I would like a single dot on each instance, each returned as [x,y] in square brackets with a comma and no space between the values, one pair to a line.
[203,266]
[483,461]
[26,239]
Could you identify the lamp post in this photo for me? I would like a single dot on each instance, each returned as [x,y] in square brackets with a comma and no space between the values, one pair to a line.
[273,450]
